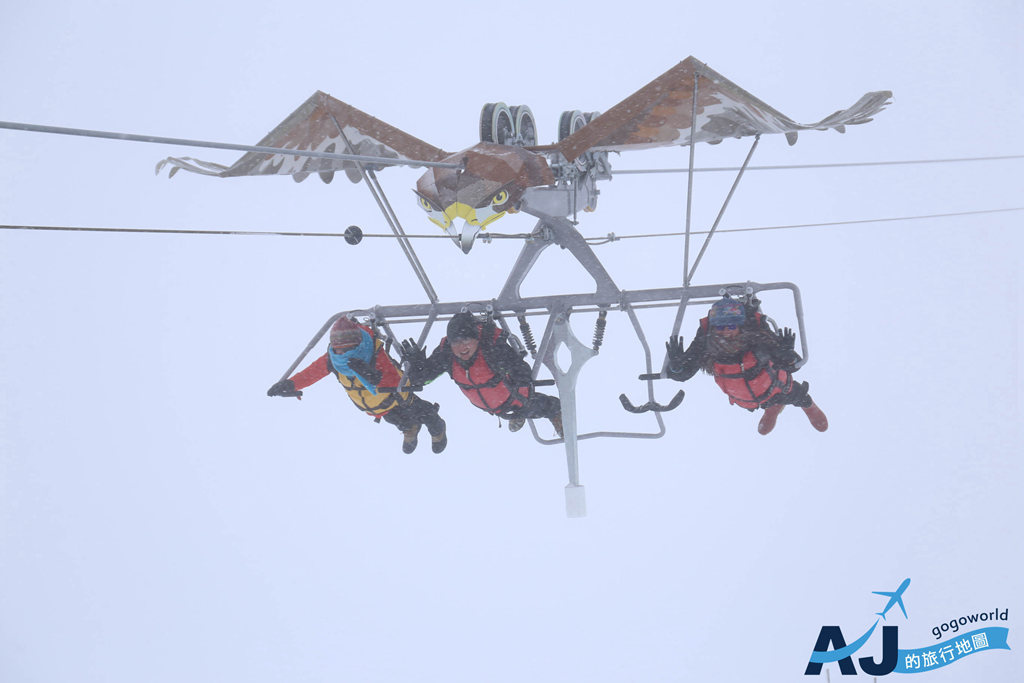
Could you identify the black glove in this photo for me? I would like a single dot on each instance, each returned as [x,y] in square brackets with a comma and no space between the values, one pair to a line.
[674,348]
[372,375]
[413,355]
[787,338]
[285,387]
[787,356]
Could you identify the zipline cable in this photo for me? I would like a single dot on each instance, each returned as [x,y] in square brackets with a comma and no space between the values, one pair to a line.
[821,225]
[181,142]
[591,240]
[81,132]
[802,166]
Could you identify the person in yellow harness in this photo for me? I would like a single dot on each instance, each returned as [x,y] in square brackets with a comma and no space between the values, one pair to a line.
[370,377]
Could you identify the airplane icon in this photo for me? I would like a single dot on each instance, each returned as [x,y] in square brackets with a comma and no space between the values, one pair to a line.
[895,598]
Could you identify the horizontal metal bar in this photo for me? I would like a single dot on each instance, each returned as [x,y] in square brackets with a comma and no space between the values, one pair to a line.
[181,142]
[574,301]
[544,311]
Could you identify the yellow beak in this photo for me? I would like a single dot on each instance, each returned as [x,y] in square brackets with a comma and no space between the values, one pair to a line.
[463,211]
[468,214]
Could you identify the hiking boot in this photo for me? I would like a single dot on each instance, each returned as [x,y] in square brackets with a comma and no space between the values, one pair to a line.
[439,441]
[556,422]
[767,423]
[817,418]
[409,439]
[516,423]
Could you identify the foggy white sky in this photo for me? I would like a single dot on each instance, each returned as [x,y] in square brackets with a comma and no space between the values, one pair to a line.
[161,519]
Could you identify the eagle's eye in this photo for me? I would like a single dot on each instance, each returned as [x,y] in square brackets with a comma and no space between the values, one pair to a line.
[424,203]
[499,198]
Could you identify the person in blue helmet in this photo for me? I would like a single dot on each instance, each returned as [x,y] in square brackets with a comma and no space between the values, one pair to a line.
[753,365]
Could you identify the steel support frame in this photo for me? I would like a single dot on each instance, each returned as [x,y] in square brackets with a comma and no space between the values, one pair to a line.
[558,332]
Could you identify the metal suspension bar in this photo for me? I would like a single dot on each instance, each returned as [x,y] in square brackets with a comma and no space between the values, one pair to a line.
[396,228]
[182,142]
[403,238]
[575,301]
[721,213]
[392,220]
[689,182]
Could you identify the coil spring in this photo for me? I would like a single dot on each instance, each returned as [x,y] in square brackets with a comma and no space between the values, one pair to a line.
[599,329]
[524,328]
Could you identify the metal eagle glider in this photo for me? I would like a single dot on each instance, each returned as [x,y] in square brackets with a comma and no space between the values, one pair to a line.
[508,172]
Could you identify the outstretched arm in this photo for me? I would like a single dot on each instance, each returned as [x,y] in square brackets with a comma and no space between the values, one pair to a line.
[421,368]
[682,365]
[313,373]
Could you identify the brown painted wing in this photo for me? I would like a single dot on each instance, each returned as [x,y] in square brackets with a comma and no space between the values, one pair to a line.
[659,114]
[315,126]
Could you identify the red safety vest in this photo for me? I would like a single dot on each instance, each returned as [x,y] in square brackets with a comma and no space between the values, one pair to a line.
[750,383]
[485,388]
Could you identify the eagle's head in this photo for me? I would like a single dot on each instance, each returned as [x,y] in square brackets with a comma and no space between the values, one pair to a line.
[489,184]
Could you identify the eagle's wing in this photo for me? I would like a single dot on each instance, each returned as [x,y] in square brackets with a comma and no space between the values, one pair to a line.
[322,124]
[659,114]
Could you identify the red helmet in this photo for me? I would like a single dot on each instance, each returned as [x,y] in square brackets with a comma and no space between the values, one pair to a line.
[345,334]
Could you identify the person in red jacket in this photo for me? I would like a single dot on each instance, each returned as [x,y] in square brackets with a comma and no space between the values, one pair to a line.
[488,370]
[751,364]
[370,377]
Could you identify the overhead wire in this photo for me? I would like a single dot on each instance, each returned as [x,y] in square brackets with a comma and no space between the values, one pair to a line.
[787,167]
[612,237]
[155,139]
[173,231]
[182,142]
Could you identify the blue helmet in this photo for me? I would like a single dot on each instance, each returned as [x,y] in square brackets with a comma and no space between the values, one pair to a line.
[727,311]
